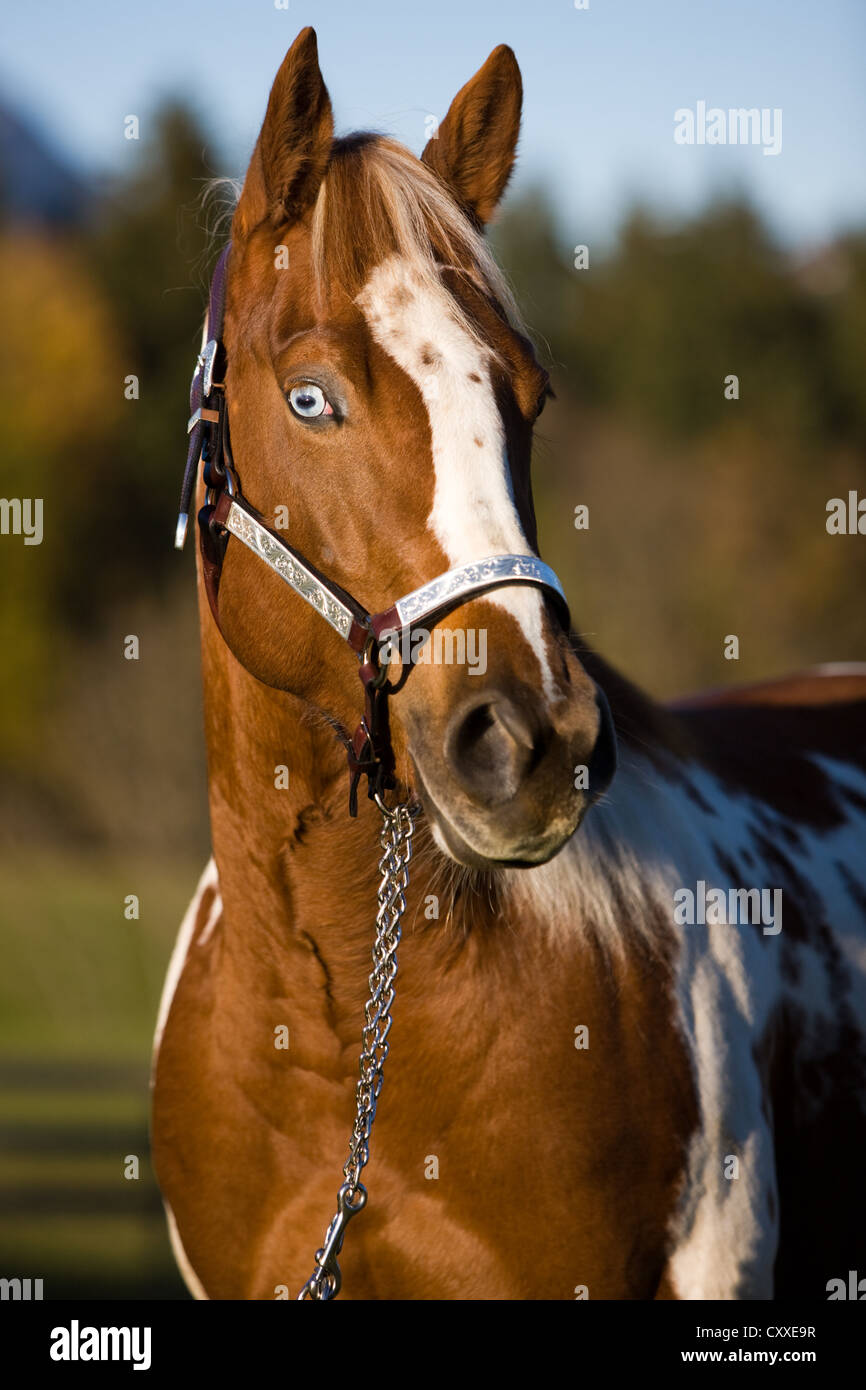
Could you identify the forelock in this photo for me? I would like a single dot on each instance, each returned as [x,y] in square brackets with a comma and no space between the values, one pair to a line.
[378,201]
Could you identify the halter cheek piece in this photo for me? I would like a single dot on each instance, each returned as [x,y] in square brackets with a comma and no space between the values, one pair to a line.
[227,513]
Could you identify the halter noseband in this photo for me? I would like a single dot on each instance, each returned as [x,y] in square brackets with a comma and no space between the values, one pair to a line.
[227,513]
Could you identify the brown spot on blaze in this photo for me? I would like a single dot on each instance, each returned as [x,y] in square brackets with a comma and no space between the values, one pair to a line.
[429,356]
[399,297]
[479,442]
[473,376]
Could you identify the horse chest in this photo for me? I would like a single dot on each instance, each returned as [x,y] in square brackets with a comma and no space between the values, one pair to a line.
[556,1121]
[520,1150]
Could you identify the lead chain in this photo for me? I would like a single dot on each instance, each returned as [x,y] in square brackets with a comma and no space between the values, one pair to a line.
[396,842]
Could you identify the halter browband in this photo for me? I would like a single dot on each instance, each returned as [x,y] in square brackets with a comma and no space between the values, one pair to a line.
[227,513]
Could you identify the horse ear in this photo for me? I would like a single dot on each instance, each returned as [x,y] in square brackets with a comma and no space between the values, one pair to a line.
[293,148]
[476,143]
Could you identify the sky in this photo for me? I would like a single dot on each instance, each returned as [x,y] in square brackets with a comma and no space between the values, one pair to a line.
[601,87]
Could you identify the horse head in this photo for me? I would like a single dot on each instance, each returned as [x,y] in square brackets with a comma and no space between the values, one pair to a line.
[382,399]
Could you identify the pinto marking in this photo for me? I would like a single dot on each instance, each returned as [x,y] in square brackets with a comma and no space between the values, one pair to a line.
[648,837]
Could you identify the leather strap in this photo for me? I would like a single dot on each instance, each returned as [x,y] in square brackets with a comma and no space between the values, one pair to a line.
[210,367]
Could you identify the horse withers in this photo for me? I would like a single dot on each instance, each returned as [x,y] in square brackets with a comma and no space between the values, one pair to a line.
[627,1058]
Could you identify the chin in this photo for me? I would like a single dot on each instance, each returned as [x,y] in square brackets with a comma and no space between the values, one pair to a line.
[478,842]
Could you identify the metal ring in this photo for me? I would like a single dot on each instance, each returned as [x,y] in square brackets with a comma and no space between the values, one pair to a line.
[386,811]
[370,656]
[411,808]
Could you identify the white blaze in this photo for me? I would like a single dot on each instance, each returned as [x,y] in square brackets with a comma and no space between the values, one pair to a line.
[473,514]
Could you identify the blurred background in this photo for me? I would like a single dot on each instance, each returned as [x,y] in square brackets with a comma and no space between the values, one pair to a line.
[707,515]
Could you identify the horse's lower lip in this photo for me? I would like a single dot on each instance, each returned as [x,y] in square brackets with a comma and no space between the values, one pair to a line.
[458,847]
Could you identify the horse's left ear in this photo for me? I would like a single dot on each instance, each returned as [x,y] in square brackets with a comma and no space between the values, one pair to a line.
[474,149]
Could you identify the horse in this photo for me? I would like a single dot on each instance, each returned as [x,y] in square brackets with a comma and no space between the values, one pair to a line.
[627,1058]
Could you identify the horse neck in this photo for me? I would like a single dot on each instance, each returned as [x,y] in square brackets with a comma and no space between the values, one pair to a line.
[297,874]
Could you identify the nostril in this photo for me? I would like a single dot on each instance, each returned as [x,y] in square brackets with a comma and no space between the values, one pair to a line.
[472,733]
[515,724]
[491,747]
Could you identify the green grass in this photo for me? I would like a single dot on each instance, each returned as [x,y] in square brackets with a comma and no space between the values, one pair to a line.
[35,1172]
[79,994]
[73,1107]
[79,979]
[91,1256]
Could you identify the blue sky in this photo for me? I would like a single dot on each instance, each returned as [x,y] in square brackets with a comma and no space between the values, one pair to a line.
[601,88]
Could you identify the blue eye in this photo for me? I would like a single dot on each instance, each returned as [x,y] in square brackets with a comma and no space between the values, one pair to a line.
[309,401]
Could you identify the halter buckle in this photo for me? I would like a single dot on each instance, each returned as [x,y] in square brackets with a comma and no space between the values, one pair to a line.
[210,417]
[207,359]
